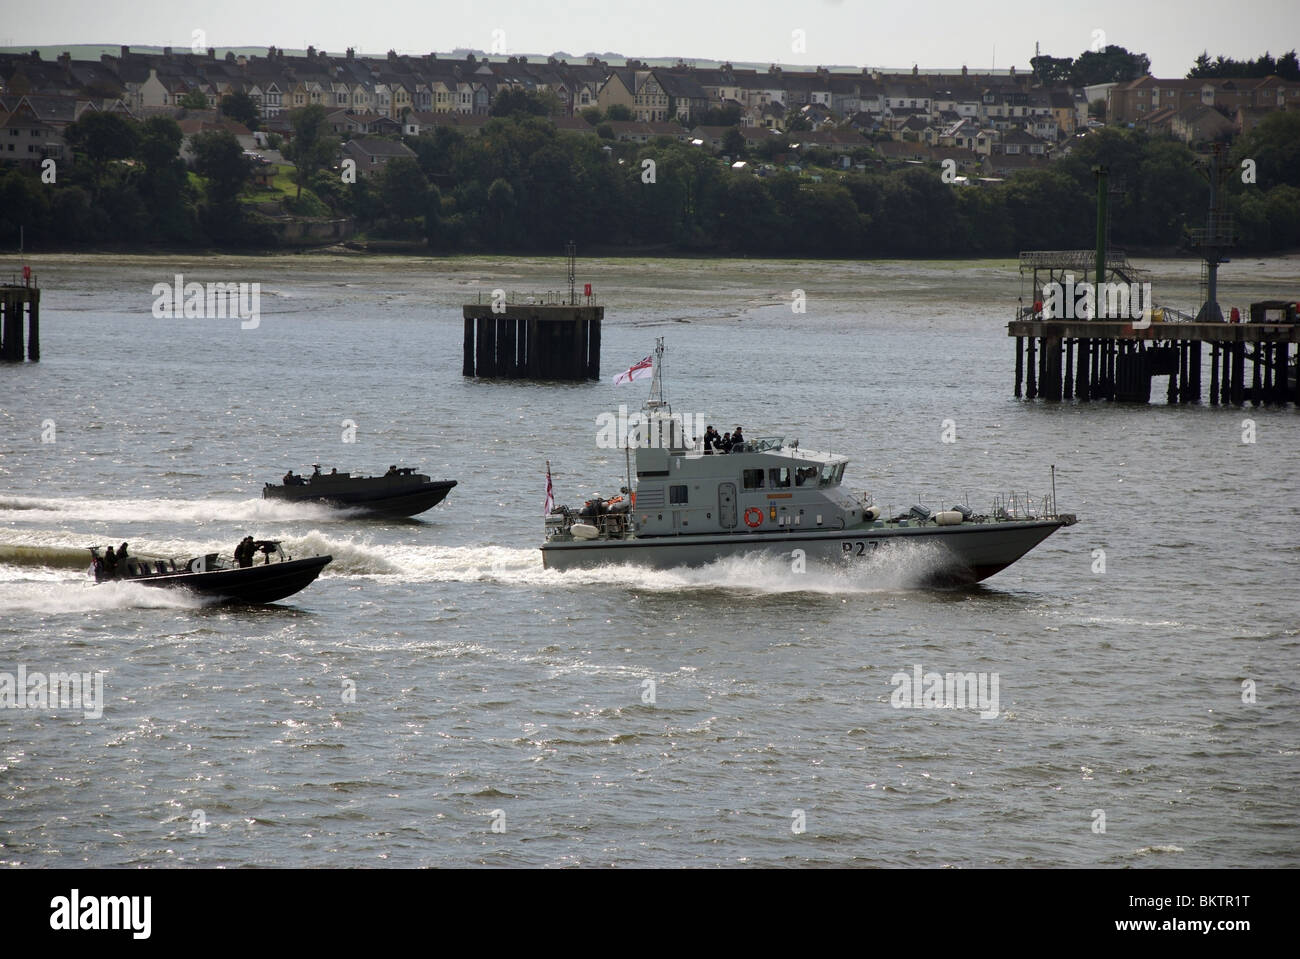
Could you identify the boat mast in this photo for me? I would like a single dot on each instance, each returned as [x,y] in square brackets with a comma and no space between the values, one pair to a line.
[656,400]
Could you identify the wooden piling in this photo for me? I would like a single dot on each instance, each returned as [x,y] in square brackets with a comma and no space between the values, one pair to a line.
[1020,364]
[1081,388]
[1052,368]
[1214,374]
[1238,373]
[1194,367]
[1069,368]
[467,361]
[593,350]
[1031,388]
[11,330]
[507,348]
[1255,391]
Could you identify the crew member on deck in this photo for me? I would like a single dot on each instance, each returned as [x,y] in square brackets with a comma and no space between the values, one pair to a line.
[737,440]
[110,562]
[710,437]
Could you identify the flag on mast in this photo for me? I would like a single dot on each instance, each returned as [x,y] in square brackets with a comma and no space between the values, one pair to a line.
[637,371]
[550,493]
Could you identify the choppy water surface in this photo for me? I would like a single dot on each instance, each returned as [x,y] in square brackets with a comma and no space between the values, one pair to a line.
[491,692]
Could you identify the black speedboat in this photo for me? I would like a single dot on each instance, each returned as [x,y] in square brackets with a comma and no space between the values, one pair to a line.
[399,492]
[209,575]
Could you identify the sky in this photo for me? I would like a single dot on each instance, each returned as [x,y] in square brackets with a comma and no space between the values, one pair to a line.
[939,34]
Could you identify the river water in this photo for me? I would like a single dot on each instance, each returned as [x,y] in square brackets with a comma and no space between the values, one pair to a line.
[437,698]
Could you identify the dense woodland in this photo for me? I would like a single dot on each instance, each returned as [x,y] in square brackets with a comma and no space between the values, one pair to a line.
[524,186]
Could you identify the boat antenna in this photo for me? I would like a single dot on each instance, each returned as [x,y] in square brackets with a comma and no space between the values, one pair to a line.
[1053,489]
[657,380]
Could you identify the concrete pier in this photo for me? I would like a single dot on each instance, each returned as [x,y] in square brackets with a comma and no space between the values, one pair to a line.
[539,341]
[19,302]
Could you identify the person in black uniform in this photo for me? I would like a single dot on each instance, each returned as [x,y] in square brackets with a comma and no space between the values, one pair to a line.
[710,437]
[737,440]
[110,562]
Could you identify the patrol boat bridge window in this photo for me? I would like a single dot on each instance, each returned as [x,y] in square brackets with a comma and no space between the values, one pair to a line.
[753,478]
[676,494]
[831,475]
[779,477]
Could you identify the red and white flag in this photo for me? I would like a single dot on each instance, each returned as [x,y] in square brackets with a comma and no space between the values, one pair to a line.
[550,493]
[638,371]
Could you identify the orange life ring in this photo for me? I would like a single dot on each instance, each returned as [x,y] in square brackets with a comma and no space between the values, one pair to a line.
[758,517]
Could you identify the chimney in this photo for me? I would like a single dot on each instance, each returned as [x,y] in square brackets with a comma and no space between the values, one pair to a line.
[351,54]
[311,53]
[212,53]
[167,53]
[65,58]
[392,56]
[126,52]
[963,70]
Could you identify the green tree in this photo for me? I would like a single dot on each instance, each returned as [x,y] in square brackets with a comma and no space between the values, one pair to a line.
[102,138]
[220,160]
[591,114]
[516,102]
[194,100]
[402,187]
[240,106]
[314,144]
[162,179]
[1050,71]
[618,111]
[1111,65]
[501,211]
[1274,145]
[1286,66]
[733,144]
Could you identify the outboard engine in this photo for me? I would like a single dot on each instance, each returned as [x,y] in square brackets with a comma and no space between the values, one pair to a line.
[966,511]
[919,513]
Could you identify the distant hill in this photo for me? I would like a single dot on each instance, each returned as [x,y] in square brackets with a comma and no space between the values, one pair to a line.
[93,51]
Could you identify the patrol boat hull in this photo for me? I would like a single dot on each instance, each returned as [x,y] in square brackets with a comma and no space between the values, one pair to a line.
[962,555]
[378,495]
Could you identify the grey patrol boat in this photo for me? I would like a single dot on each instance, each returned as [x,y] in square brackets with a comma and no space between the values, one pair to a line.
[690,508]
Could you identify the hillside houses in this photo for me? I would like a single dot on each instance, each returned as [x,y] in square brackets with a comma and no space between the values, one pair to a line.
[1005,115]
